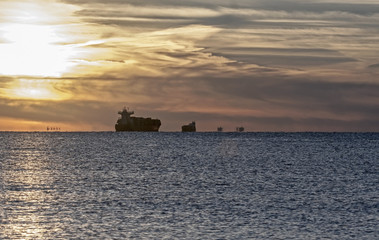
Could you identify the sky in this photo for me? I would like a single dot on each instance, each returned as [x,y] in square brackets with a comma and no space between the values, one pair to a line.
[267,65]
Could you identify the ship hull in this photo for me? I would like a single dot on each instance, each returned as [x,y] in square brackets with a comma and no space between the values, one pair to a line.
[188,129]
[138,124]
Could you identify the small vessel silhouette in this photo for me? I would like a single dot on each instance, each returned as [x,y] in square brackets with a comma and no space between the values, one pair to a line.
[240,129]
[191,127]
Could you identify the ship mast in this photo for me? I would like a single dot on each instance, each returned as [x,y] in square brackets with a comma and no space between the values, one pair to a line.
[125,115]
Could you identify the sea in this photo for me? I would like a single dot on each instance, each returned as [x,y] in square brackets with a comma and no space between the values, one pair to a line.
[203,185]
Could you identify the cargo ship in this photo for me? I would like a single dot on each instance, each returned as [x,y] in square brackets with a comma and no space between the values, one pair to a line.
[127,123]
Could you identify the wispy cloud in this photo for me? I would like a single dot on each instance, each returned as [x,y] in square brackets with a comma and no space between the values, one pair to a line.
[270,65]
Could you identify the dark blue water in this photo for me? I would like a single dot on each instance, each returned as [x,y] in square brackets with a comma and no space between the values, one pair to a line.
[189,185]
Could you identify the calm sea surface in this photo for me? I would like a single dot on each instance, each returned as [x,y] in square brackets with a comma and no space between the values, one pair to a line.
[108,185]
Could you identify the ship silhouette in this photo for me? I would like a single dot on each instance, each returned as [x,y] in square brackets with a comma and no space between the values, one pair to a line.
[127,123]
[240,129]
[191,127]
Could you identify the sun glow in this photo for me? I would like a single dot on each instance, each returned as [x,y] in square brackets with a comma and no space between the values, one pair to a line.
[35,93]
[33,50]
[33,37]
[35,89]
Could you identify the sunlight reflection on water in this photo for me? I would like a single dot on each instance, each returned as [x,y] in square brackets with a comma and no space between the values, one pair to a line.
[26,193]
[188,186]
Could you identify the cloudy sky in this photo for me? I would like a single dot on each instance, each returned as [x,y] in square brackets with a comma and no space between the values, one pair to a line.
[267,65]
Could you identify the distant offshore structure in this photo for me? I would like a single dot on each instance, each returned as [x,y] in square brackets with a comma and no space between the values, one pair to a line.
[55,129]
[240,129]
[191,127]
[220,129]
[126,123]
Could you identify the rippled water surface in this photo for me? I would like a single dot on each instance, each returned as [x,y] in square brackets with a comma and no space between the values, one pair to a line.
[189,185]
